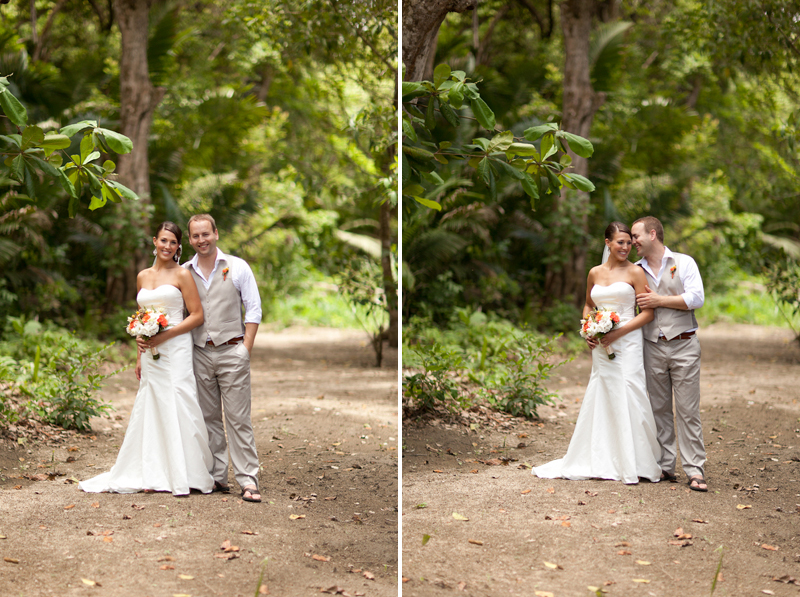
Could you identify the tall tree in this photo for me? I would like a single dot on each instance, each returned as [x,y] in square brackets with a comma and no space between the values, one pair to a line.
[138,102]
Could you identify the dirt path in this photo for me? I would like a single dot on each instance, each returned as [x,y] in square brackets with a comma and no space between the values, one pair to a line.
[529,536]
[326,431]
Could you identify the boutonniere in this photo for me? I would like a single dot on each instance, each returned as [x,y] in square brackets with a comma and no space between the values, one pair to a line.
[672,270]
[226,270]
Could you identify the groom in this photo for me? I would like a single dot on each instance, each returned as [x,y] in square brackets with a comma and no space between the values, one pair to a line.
[222,347]
[672,351]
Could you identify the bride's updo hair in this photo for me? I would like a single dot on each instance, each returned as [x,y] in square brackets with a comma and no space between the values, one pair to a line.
[615,227]
[175,229]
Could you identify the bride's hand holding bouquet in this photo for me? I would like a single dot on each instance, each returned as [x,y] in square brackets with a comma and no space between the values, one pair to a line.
[599,325]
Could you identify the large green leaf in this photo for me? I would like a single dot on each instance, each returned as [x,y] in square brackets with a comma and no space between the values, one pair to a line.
[430,115]
[428,203]
[581,182]
[578,145]
[456,95]
[449,114]
[548,147]
[110,193]
[525,149]
[97,202]
[441,74]
[117,142]
[413,189]
[123,190]
[501,142]
[71,129]
[483,170]
[68,187]
[410,88]
[87,147]
[417,152]
[529,186]
[47,167]
[53,141]
[483,113]
[535,132]
[406,168]
[15,111]
[509,169]
[17,168]
[31,136]
[408,129]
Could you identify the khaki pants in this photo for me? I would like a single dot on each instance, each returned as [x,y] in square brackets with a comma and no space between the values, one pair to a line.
[673,370]
[223,380]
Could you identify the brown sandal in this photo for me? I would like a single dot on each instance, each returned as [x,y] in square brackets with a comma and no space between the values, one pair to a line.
[698,480]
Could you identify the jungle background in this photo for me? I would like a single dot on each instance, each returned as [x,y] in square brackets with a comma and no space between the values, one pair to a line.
[278,118]
[691,109]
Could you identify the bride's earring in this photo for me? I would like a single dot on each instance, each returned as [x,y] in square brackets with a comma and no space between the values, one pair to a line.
[155,252]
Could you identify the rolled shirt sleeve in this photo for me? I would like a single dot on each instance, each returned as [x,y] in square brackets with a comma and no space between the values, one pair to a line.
[693,293]
[245,283]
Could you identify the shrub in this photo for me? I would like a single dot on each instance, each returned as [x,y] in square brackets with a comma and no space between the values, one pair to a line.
[434,385]
[57,372]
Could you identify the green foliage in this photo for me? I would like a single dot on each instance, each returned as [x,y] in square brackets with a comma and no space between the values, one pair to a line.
[56,371]
[504,365]
[538,169]
[32,153]
[435,385]
[361,284]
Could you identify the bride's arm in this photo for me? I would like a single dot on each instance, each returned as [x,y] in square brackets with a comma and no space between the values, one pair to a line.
[589,305]
[644,317]
[193,305]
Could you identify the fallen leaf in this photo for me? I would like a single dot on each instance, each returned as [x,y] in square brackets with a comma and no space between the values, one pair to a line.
[320,558]
[786,579]
[167,567]
[543,594]
[126,517]
[296,516]
[590,493]
[551,490]
[70,507]
[369,575]
[475,541]
[425,539]
[641,580]
[96,505]
[642,562]
[437,471]
[4,537]
[156,524]
[553,566]
[700,520]
[681,543]
[263,590]
[566,524]
[525,491]
[768,592]
[108,539]
[624,552]
[458,516]
[612,511]
[678,531]
[166,559]
[743,507]
[474,471]
[226,556]
[249,533]
[769,547]
[772,489]
[11,560]
[622,544]
[135,507]
[462,585]
[91,583]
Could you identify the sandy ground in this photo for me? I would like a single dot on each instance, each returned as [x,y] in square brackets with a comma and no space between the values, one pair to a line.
[535,537]
[326,432]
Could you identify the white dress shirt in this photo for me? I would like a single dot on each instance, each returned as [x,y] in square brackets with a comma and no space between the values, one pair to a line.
[243,280]
[693,293]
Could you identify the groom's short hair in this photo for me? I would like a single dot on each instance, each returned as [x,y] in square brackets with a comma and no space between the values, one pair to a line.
[201,218]
[650,223]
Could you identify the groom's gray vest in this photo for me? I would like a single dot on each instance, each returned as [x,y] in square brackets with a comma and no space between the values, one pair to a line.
[222,308]
[671,322]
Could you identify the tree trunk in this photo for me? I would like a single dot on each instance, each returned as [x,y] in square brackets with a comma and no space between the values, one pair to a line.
[138,101]
[385,234]
[580,105]
[421,22]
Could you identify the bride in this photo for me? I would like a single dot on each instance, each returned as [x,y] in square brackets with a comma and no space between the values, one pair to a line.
[615,435]
[166,443]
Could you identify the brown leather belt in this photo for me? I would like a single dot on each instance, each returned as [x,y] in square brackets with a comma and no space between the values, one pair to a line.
[683,336]
[229,342]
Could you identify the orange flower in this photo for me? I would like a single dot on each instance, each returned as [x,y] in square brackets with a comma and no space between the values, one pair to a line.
[672,270]
[146,318]
[615,318]
[162,321]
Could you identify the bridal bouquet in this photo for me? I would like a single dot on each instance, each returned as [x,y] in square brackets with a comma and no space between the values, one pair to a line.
[597,324]
[147,323]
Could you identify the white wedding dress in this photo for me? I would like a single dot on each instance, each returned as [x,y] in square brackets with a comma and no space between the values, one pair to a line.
[615,435]
[166,443]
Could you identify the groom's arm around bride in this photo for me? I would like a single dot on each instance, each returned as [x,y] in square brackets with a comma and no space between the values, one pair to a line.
[672,350]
